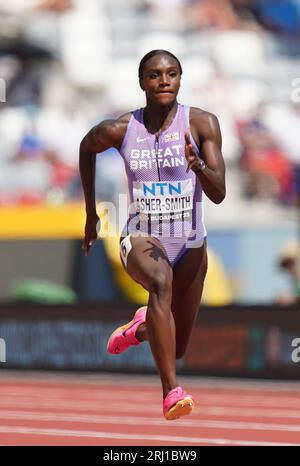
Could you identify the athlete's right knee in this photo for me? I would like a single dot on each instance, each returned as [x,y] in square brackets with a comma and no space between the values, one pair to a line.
[160,281]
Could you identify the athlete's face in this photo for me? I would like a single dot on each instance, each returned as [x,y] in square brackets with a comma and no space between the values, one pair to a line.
[161,79]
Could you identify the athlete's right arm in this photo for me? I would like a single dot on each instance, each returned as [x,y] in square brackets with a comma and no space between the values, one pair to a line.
[109,133]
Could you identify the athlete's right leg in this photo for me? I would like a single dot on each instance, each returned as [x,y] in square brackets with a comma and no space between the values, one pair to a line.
[148,264]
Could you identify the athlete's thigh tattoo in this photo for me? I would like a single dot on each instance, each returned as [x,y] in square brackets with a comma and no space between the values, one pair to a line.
[155,251]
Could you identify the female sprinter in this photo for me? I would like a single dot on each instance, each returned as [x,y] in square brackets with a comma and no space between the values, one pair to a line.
[171,153]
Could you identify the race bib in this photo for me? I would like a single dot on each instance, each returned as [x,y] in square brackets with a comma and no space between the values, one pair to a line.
[163,200]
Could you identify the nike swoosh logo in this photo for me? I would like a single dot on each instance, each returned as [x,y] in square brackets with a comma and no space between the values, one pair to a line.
[138,139]
[124,331]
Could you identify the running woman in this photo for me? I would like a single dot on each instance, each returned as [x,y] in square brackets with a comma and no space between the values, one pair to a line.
[172,153]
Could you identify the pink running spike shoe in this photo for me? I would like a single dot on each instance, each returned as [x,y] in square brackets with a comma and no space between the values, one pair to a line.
[177,403]
[124,337]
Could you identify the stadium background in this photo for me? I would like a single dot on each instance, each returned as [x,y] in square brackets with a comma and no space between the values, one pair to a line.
[66,65]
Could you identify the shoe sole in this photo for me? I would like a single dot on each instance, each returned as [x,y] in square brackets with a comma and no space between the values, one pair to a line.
[122,328]
[181,408]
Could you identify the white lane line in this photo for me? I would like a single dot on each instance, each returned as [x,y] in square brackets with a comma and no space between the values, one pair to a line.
[144,421]
[250,412]
[251,400]
[128,407]
[201,400]
[55,395]
[127,387]
[140,393]
[74,404]
[121,436]
[121,380]
[201,411]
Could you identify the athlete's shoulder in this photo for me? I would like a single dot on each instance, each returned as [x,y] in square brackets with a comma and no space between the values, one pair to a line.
[117,124]
[202,116]
[204,123]
[115,129]
[125,118]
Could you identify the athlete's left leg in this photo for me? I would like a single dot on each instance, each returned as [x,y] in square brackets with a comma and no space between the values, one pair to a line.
[188,279]
[187,286]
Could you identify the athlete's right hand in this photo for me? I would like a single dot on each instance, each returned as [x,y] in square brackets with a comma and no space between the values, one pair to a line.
[92,228]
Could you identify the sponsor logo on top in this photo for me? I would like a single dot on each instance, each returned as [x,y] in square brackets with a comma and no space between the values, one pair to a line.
[162,188]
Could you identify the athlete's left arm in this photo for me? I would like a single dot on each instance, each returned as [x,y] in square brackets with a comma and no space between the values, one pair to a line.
[211,174]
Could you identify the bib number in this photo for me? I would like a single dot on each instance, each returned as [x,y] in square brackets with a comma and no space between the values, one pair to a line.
[163,200]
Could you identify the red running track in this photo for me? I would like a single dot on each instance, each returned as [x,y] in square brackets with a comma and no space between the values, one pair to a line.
[70,409]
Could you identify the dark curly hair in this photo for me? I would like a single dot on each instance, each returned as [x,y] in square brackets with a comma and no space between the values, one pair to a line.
[152,54]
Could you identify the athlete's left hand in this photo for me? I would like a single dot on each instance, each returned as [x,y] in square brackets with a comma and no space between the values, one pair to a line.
[190,154]
[92,228]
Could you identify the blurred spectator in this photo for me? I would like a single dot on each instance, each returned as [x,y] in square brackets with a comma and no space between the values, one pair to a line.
[289,262]
[61,131]
[40,154]
[25,174]
[283,122]
[281,16]
[54,95]
[21,7]
[216,14]
[215,95]
[168,14]
[220,14]
[268,171]
[25,87]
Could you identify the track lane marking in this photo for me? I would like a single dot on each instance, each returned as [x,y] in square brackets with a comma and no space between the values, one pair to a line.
[144,421]
[121,436]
